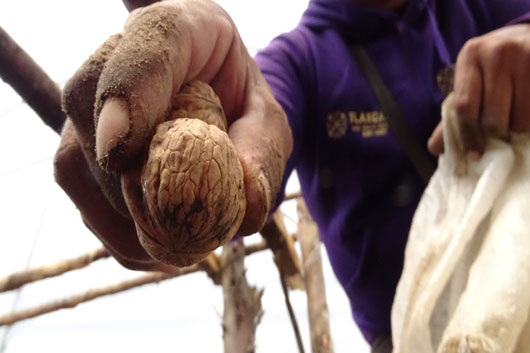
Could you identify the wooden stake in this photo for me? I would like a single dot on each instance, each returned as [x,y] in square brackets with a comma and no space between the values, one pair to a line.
[242,303]
[314,282]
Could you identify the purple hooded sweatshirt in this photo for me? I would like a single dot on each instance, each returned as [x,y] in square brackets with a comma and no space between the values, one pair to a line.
[357,180]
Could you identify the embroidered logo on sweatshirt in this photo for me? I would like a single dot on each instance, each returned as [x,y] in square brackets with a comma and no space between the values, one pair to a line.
[366,124]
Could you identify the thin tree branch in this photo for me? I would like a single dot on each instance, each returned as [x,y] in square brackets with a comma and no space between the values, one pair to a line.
[18,279]
[290,310]
[293,195]
[314,282]
[71,302]
[212,266]
[282,246]
[242,303]
[30,81]
[252,248]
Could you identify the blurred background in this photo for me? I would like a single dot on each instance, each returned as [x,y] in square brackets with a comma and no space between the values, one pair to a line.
[39,224]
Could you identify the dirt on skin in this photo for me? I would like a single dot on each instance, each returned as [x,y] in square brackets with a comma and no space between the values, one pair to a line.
[140,72]
[136,66]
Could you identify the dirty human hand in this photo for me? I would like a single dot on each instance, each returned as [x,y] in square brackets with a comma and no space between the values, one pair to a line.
[491,85]
[130,85]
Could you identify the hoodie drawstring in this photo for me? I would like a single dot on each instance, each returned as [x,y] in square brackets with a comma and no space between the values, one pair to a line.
[439,41]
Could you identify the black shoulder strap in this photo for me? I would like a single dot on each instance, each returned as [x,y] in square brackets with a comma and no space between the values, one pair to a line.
[417,153]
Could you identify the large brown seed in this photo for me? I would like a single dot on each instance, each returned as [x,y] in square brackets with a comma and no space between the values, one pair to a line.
[191,197]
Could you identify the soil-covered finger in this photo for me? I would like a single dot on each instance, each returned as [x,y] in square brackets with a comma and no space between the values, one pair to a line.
[79,93]
[141,73]
[78,100]
[117,233]
[263,140]
[263,169]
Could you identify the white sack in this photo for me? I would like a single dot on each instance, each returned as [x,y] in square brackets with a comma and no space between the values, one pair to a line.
[465,285]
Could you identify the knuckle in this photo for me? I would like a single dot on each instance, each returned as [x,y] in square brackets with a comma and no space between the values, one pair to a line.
[70,94]
[471,47]
[497,56]
[160,18]
[464,108]
[79,92]
[525,57]
[68,158]
[65,157]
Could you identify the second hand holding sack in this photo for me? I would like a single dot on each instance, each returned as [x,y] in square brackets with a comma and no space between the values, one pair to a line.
[465,285]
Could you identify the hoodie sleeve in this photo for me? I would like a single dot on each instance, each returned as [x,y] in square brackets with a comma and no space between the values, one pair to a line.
[284,65]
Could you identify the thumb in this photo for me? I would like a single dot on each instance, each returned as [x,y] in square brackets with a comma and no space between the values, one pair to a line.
[436,142]
[263,140]
[136,85]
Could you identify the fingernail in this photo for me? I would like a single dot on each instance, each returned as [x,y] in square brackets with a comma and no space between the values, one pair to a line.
[113,125]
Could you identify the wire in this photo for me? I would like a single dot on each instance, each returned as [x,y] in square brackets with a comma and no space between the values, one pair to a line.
[12,108]
[22,102]
[3,344]
[26,166]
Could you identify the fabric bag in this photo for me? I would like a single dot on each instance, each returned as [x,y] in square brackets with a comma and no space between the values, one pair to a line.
[465,285]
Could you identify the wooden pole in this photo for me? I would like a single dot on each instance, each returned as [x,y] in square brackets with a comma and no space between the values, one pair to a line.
[30,81]
[242,303]
[314,282]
